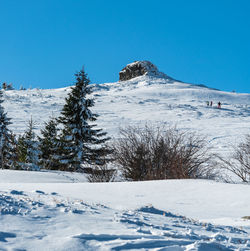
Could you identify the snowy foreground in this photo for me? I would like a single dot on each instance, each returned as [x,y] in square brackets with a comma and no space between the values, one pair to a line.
[58,211]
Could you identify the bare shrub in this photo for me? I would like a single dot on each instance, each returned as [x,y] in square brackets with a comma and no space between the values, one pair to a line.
[100,173]
[239,162]
[159,153]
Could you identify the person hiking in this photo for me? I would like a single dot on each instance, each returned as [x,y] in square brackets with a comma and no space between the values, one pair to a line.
[207,103]
[219,104]
[211,103]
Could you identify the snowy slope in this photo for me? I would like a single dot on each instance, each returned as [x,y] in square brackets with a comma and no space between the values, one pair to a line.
[145,100]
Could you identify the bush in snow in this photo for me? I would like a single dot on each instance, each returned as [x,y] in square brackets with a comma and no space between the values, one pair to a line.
[100,173]
[159,153]
[80,142]
[239,161]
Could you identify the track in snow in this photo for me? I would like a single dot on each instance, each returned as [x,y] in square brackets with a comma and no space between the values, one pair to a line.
[49,220]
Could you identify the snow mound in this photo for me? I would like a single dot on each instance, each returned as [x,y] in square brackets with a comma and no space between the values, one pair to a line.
[43,176]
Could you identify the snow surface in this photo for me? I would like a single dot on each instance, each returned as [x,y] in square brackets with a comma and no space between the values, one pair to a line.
[152,215]
[60,211]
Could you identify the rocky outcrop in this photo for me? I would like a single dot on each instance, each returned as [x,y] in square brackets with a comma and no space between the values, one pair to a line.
[140,68]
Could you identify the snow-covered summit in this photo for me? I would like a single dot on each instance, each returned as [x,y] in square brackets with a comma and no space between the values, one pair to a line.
[141,68]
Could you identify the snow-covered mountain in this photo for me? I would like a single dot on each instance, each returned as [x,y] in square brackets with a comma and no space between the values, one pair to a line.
[144,99]
[60,211]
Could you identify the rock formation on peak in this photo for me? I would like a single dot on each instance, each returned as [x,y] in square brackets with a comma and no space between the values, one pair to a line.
[140,68]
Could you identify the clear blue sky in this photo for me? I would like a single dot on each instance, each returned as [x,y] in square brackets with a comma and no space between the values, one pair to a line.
[43,43]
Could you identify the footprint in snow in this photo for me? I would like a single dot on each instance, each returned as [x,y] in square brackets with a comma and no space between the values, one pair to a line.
[40,192]
[15,192]
[5,235]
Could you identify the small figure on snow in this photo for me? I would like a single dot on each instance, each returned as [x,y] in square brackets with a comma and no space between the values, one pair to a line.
[219,105]
[207,103]
[211,103]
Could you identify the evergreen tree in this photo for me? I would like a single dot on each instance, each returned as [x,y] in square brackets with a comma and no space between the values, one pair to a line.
[14,154]
[49,146]
[6,139]
[68,157]
[21,152]
[80,141]
[28,148]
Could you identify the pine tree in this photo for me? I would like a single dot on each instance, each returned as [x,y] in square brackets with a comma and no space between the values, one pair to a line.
[13,151]
[49,146]
[21,150]
[28,148]
[82,143]
[6,139]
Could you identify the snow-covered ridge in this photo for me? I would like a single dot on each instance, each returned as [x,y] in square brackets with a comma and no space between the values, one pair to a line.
[141,100]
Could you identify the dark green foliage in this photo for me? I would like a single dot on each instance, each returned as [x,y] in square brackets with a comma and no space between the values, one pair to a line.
[68,156]
[14,152]
[80,142]
[6,139]
[21,149]
[27,149]
[49,146]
